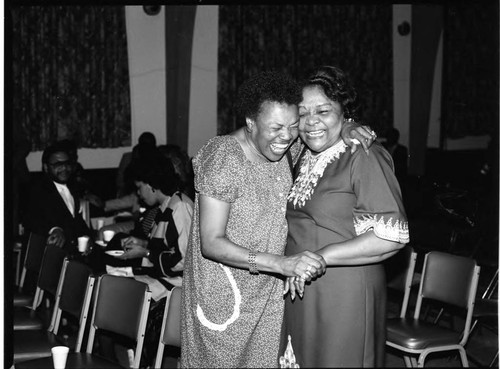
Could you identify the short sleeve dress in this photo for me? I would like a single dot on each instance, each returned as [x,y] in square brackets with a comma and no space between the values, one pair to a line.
[340,322]
[231,318]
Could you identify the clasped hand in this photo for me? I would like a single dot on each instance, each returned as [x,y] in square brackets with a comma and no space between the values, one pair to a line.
[301,268]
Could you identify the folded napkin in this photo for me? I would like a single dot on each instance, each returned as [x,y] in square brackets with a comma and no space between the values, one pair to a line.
[120,271]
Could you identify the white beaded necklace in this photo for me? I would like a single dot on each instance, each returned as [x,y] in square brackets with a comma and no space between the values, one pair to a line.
[311,170]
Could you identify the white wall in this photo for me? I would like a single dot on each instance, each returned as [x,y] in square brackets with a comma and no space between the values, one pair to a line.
[203,92]
[146,49]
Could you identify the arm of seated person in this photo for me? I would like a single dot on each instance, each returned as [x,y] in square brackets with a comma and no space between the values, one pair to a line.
[134,248]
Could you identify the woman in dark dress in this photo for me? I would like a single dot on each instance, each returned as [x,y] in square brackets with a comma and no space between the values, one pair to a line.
[347,208]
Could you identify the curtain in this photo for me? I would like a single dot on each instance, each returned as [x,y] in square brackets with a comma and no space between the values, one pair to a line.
[70,75]
[297,38]
[470,69]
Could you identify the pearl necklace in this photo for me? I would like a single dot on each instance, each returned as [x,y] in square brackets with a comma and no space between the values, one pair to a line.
[311,170]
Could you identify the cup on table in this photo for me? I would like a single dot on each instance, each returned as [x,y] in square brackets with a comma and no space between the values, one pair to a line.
[83,243]
[59,356]
[108,235]
[100,223]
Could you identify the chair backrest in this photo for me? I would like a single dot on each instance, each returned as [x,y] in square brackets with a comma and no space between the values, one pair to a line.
[50,273]
[450,279]
[50,270]
[121,306]
[400,270]
[35,247]
[170,333]
[71,292]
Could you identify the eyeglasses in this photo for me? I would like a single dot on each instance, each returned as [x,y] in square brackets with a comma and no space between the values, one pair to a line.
[60,164]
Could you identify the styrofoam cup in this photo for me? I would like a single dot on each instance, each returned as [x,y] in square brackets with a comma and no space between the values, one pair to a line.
[108,235]
[59,356]
[83,243]
[100,223]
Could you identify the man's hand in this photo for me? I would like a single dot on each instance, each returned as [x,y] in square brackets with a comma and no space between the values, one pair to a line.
[355,134]
[57,238]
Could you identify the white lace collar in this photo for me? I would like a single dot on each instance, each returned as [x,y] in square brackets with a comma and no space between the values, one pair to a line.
[311,170]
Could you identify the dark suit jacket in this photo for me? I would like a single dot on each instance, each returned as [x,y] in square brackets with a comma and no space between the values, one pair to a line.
[47,209]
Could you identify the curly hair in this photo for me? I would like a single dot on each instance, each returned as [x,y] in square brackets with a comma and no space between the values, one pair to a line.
[337,87]
[266,87]
[159,174]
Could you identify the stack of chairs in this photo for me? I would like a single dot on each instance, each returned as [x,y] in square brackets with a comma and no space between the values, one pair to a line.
[121,306]
[73,298]
[29,317]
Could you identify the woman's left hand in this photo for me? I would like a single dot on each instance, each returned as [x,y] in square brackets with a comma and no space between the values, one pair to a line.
[355,134]
[294,285]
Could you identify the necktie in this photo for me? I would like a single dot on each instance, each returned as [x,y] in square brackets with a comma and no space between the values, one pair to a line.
[68,199]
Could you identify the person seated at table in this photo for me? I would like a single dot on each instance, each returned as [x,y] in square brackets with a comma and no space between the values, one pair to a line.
[182,165]
[163,252]
[145,144]
[140,227]
[53,208]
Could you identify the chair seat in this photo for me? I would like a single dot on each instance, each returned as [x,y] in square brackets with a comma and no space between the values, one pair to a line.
[22,299]
[418,335]
[75,360]
[485,308]
[29,345]
[26,319]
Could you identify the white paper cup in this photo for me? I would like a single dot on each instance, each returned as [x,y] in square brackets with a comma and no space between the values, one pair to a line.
[108,235]
[100,223]
[59,356]
[83,243]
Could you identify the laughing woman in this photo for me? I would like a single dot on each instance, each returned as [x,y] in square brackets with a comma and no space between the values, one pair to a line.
[347,208]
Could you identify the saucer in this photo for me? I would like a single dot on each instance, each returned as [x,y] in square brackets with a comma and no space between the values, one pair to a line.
[115,253]
[100,243]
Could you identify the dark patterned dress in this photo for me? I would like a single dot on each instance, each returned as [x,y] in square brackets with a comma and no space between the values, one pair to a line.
[231,318]
[341,320]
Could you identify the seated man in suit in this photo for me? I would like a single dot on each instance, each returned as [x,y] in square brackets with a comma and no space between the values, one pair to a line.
[53,210]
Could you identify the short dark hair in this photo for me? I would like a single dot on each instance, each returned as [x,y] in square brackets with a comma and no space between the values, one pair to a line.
[59,146]
[147,139]
[266,86]
[159,174]
[337,87]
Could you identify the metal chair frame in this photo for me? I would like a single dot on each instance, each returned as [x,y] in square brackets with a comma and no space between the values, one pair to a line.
[170,328]
[428,289]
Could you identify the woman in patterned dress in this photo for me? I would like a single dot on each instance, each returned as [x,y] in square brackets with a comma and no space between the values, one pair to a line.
[232,302]
[347,208]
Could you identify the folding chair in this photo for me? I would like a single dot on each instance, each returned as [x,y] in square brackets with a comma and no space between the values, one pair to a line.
[170,333]
[446,278]
[48,280]
[121,306]
[73,299]
[486,313]
[400,270]
[35,248]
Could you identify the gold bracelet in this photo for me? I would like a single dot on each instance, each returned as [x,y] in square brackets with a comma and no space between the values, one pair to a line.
[252,266]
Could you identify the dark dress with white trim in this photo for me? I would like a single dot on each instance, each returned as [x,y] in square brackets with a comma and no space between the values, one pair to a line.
[341,320]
